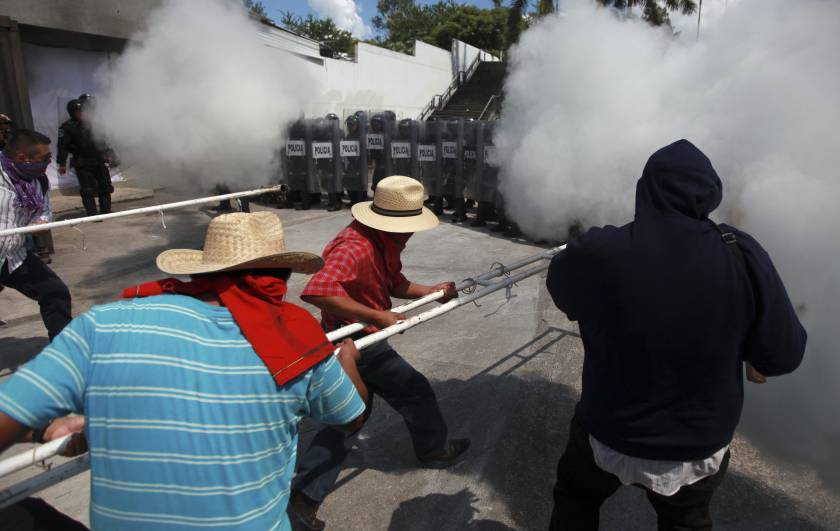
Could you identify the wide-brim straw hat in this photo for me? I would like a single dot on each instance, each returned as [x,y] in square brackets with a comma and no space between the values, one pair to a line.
[397,206]
[240,241]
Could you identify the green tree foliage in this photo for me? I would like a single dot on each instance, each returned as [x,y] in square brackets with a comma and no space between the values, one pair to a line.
[655,11]
[256,8]
[482,28]
[322,30]
[401,22]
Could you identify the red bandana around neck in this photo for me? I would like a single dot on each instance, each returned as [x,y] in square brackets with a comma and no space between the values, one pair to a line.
[287,338]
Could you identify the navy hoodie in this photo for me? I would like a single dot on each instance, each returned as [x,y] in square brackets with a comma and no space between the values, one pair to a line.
[667,315]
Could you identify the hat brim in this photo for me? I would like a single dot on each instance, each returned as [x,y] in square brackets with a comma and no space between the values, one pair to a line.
[190,262]
[426,220]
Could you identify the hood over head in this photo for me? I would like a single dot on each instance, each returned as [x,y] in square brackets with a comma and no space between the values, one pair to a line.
[678,180]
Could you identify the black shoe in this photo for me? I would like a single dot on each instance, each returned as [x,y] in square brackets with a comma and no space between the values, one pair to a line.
[334,207]
[303,513]
[448,457]
[478,223]
[500,228]
[512,233]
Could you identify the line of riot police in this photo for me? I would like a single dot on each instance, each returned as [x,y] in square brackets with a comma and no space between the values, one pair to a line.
[454,159]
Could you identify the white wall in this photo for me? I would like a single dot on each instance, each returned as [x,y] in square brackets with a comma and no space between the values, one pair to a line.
[381,79]
[464,54]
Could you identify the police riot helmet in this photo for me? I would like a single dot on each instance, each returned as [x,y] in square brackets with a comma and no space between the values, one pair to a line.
[405,127]
[359,114]
[352,122]
[5,120]
[332,116]
[376,123]
[389,116]
[73,106]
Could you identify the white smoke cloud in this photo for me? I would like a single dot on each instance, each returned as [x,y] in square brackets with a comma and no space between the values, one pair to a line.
[199,97]
[345,14]
[590,97]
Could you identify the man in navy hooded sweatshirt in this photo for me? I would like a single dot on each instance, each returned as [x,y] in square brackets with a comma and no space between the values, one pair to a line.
[670,307]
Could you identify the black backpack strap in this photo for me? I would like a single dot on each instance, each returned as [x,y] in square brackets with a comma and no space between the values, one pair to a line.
[732,244]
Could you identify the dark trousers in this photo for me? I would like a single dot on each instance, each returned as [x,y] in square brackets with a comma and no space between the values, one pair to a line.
[406,390]
[38,282]
[95,181]
[582,487]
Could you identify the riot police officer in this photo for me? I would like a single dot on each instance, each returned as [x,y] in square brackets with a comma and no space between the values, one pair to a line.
[89,158]
[326,131]
[354,171]
[376,151]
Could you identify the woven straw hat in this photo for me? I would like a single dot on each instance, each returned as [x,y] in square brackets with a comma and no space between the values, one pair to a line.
[239,241]
[397,206]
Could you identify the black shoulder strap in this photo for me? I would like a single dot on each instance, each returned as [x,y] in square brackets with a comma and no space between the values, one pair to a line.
[732,244]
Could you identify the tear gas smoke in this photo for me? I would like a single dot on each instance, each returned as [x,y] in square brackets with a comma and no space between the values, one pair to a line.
[199,98]
[345,14]
[591,96]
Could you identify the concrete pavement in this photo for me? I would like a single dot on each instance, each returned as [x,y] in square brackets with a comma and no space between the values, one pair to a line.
[506,372]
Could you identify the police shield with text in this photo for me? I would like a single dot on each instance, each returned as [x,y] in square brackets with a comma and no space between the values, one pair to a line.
[469,154]
[403,147]
[354,158]
[298,164]
[429,162]
[90,157]
[376,149]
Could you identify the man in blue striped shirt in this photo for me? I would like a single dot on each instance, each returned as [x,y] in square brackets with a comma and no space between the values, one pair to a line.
[186,426]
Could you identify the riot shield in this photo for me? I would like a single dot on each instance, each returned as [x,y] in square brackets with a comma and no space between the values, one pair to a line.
[452,163]
[429,140]
[353,154]
[489,164]
[297,159]
[389,128]
[375,141]
[470,158]
[323,151]
[403,149]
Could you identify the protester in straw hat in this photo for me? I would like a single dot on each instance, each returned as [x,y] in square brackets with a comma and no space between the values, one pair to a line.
[362,273]
[193,391]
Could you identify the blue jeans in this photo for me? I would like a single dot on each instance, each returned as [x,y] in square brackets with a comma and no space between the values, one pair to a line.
[405,389]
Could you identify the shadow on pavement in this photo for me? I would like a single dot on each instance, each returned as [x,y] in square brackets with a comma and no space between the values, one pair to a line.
[518,424]
[18,350]
[442,511]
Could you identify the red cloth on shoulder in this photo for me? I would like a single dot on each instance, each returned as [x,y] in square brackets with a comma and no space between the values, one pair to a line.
[287,338]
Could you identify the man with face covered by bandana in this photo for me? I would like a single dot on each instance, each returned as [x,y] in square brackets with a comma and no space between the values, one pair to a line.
[24,201]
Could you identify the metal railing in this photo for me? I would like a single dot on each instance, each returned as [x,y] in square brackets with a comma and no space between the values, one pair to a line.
[439,101]
[488,113]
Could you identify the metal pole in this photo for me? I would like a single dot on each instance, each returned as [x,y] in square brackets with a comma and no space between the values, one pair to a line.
[143,210]
[35,484]
[351,329]
[50,449]
[33,456]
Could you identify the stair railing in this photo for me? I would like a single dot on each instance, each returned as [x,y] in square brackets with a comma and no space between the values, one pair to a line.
[494,101]
[439,101]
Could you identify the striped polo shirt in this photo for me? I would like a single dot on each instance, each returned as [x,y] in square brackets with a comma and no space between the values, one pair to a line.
[185,425]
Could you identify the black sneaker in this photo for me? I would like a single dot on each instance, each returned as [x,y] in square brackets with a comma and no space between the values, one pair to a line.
[448,457]
[303,513]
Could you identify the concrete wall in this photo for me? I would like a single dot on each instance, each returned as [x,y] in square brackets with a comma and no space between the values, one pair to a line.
[112,18]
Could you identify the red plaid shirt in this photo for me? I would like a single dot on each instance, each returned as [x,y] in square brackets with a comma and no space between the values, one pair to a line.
[354,266]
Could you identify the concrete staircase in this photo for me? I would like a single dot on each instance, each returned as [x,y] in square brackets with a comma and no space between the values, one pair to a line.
[471,98]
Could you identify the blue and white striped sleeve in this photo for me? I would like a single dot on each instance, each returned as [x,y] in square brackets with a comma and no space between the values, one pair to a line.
[53,383]
[332,396]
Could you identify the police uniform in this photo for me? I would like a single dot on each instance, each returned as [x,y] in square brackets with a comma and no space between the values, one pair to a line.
[89,157]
